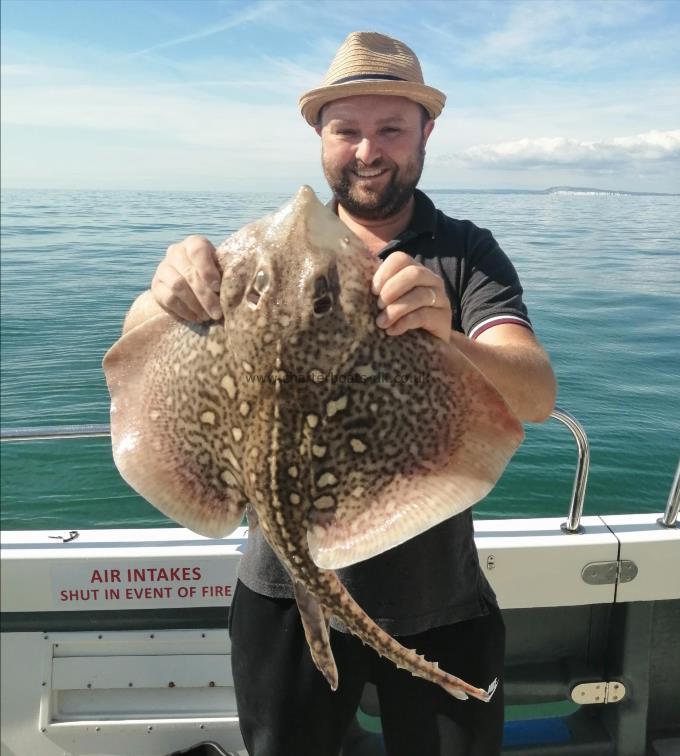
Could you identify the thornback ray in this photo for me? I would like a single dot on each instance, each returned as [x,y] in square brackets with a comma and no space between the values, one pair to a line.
[344,441]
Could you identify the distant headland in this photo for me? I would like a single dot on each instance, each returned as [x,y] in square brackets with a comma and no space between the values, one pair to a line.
[556,190]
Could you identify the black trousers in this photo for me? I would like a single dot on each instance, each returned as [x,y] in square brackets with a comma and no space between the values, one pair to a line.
[286,707]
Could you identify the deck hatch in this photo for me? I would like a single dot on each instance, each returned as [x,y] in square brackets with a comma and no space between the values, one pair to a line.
[110,678]
[157,671]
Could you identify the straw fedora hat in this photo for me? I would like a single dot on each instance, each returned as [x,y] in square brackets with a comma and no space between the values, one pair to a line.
[372,63]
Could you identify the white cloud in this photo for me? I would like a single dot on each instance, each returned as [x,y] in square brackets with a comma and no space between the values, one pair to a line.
[565,152]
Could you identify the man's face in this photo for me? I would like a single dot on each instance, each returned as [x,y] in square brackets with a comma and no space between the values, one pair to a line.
[372,151]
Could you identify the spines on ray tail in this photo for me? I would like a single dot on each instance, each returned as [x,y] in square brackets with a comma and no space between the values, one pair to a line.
[337,600]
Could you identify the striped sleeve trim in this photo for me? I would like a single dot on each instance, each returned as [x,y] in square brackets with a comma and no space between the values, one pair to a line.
[495,320]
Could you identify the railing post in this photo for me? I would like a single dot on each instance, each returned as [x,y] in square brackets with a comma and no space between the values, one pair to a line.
[670,517]
[573,523]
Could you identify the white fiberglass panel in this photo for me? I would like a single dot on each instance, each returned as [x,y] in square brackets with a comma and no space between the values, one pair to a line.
[655,550]
[532,562]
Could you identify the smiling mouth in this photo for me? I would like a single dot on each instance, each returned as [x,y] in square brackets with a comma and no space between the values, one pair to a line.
[369,173]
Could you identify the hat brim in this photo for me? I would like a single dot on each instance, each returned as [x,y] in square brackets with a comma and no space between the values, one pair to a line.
[430,98]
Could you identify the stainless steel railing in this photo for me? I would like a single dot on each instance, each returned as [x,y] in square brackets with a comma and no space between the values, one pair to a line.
[573,523]
[670,516]
[52,432]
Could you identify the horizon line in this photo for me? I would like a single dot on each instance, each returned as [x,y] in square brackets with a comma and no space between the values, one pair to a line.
[451,190]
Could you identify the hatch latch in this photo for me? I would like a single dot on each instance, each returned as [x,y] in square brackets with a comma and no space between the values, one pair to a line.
[608,573]
[598,692]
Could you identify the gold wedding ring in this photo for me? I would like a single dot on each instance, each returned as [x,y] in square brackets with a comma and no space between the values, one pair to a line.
[434,297]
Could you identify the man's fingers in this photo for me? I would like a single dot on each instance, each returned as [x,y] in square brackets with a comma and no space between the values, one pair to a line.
[191,267]
[174,293]
[209,300]
[202,256]
[426,318]
[400,274]
[199,254]
[411,296]
[412,320]
[414,278]
[172,303]
[394,263]
[415,299]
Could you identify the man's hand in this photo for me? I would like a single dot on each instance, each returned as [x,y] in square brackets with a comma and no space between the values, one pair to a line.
[411,296]
[187,281]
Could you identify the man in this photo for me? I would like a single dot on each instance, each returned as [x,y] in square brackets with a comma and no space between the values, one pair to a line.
[374,116]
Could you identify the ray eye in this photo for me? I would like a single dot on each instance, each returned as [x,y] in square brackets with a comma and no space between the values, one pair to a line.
[323,305]
[320,287]
[258,287]
[323,302]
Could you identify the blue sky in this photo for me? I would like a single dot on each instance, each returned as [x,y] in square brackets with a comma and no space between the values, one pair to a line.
[202,94]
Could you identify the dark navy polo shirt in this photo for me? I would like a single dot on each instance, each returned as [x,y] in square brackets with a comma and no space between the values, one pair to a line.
[481,282]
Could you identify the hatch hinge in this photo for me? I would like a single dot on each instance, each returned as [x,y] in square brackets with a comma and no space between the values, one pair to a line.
[598,692]
[609,573]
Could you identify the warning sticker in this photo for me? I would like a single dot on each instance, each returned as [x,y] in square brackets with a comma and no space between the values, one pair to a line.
[154,584]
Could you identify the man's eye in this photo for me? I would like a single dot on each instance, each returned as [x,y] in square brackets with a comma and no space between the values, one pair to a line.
[346,132]
[390,130]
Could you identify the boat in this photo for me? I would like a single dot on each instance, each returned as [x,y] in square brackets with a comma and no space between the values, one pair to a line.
[114,642]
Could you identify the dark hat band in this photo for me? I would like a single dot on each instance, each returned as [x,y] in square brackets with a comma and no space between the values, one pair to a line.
[366,77]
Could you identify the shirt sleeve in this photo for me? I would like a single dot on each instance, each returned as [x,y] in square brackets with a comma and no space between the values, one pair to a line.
[491,293]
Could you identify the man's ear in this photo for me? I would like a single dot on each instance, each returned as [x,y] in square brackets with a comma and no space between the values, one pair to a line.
[427,130]
[318,126]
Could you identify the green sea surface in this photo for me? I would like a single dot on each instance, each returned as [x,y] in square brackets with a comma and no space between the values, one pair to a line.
[601,274]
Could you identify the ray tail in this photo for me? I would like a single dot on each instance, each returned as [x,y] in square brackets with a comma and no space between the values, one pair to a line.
[315,625]
[346,609]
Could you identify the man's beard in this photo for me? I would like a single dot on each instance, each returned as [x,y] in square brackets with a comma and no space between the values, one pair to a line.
[375,204]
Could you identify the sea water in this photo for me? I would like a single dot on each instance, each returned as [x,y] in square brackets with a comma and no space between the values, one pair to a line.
[601,274]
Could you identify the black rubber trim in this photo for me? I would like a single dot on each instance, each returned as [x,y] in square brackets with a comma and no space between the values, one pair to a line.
[368,77]
[118,619]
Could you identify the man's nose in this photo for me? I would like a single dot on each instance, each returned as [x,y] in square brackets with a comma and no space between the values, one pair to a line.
[367,151]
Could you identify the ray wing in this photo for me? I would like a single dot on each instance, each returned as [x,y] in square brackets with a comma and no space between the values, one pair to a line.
[407,449]
[172,415]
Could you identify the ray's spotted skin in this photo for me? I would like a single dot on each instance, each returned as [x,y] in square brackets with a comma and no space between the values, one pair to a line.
[343,441]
